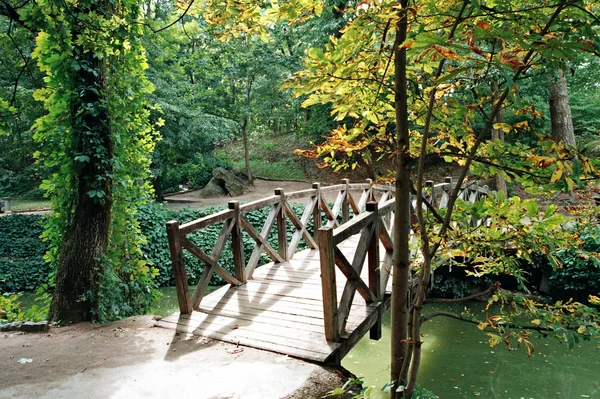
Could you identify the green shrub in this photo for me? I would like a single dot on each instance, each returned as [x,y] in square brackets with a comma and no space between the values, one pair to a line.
[24,184]
[22,266]
[579,273]
[196,173]
[11,309]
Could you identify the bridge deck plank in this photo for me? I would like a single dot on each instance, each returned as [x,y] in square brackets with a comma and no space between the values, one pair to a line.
[280,310]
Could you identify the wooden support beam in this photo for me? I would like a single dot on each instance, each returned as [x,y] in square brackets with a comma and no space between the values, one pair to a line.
[261,241]
[328,214]
[282,226]
[237,243]
[345,203]
[300,225]
[353,274]
[181,283]
[207,260]
[328,283]
[316,211]
[374,268]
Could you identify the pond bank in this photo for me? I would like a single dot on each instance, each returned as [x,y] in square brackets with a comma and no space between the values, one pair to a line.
[132,359]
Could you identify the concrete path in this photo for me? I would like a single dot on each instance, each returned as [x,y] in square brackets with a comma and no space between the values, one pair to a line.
[130,359]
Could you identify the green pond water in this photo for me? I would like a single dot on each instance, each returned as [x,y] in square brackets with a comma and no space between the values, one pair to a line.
[458,362]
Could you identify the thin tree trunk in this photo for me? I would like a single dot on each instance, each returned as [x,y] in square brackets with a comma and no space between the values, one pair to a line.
[245,130]
[560,110]
[148,9]
[498,134]
[400,274]
[80,260]
[368,161]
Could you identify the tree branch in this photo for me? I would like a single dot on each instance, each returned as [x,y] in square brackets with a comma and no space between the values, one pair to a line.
[463,299]
[169,25]
[454,316]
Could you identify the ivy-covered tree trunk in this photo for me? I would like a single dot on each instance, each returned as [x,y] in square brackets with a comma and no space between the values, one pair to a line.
[560,110]
[85,240]
[80,262]
[97,140]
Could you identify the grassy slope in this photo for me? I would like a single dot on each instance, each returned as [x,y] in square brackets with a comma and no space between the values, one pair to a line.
[271,157]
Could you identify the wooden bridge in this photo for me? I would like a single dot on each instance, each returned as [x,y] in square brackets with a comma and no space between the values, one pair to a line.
[302,304]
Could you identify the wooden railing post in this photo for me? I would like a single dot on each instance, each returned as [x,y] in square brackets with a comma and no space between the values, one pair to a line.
[345,203]
[317,211]
[375,282]
[448,181]
[181,283]
[389,215]
[328,283]
[281,225]
[237,243]
[371,196]
[431,197]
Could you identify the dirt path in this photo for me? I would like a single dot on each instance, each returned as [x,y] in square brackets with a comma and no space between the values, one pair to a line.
[132,359]
[261,189]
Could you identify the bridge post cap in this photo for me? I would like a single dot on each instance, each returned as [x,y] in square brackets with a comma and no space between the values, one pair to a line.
[172,223]
[316,185]
[448,179]
[233,204]
[371,206]
[326,228]
[279,191]
[346,181]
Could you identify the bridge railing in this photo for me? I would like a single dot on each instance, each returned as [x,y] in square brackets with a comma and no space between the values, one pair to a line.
[235,223]
[280,212]
[376,227]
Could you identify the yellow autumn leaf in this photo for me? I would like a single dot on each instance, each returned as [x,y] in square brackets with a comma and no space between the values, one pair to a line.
[446,52]
[556,175]
[581,330]
[511,58]
[536,322]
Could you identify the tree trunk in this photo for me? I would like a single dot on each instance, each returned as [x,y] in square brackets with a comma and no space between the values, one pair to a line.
[560,110]
[148,9]
[498,134]
[245,130]
[367,159]
[400,274]
[80,260]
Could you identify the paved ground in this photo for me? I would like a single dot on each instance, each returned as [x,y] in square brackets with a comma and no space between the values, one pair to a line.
[131,359]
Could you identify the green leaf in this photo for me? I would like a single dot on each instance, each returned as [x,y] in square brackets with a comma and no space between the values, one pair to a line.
[531,206]
[82,158]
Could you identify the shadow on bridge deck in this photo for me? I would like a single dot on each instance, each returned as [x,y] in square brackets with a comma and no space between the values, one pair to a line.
[281,310]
